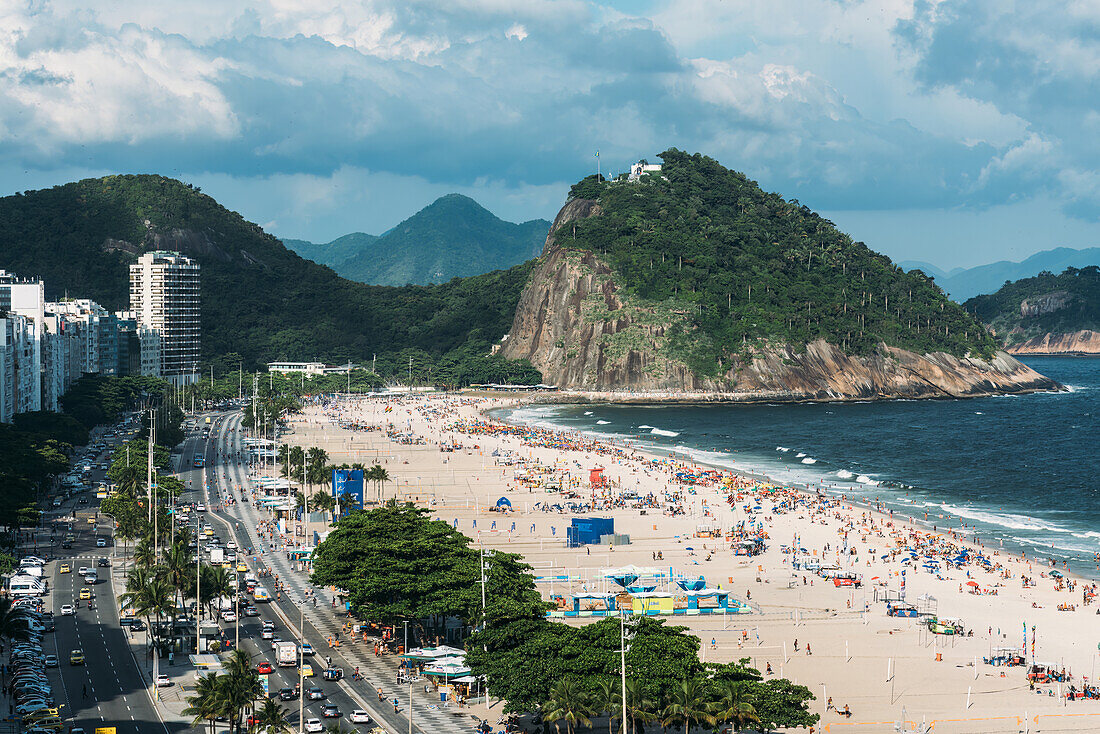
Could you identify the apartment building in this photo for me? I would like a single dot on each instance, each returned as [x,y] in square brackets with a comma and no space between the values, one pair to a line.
[164,299]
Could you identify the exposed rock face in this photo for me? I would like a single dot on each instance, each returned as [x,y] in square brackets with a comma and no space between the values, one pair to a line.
[1085,341]
[1044,304]
[576,327]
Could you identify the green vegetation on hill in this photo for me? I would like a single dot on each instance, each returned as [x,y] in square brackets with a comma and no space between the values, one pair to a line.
[259,299]
[452,237]
[745,267]
[1047,303]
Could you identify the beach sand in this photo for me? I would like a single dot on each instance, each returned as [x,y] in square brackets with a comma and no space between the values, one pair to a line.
[881,667]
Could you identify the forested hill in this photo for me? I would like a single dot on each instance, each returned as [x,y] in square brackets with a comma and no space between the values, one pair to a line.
[259,299]
[454,236]
[747,267]
[1046,304]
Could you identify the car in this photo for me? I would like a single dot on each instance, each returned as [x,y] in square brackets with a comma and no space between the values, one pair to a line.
[51,661]
[251,611]
[82,571]
[307,649]
[314,725]
[200,508]
[307,670]
[288,694]
[90,579]
[163,681]
[66,544]
[85,593]
[316,694]
[91,520]
[241,568]
[64,568]
[265,668]
[267,633]
[100,542]
[104,563]
[57,502]
[359,716]
[330,711]
[76,657]
[229,616]
[138,625]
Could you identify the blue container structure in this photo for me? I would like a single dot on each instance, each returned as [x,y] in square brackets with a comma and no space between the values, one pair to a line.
[347,488]
[589,530]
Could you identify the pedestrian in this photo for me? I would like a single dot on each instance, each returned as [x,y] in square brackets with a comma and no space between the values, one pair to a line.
[380,694]
[395,709]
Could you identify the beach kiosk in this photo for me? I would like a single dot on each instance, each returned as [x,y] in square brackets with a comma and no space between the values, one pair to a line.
[596,477]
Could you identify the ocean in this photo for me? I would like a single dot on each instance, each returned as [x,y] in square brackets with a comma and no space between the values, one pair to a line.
[1019,470]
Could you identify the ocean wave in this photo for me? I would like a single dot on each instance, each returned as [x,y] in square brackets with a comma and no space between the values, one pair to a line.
[864,479]
[602,423]
[845,474]
[1005,519]
[661,432]
[784,449]
[588,412]
[808,460]
[799,455]
[645,426]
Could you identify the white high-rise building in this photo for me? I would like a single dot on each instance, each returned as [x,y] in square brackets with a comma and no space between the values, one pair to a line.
[26,298]
[164,297]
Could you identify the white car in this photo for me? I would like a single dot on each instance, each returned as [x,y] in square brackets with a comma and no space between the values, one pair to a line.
[229,616]
[201,508]
[359,716]
[101,542]
[314,725]
[163,681]
[67,610]
[82,571]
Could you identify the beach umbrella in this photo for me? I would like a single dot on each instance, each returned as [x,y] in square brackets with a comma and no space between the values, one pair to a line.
[974,584]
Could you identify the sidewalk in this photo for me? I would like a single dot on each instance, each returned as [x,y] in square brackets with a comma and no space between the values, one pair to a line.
[429,715]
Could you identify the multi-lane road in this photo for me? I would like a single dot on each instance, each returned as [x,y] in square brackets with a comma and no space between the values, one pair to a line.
[223,477]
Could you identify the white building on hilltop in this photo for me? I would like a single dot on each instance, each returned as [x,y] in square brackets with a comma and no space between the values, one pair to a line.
[641,167]
[164,297]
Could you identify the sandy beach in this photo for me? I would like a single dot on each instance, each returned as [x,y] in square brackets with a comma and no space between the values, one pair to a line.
[443,452]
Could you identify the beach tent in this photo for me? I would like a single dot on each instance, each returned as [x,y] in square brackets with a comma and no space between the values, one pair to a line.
[627,575]
[692,584]
[504,502]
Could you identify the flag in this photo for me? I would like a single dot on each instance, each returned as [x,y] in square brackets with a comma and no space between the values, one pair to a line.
[597,154]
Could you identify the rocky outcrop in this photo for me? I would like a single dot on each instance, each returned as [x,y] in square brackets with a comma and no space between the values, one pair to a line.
[1044,304]
[577,326]
[1085,341]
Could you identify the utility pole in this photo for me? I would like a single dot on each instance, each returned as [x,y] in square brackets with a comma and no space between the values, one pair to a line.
[149,477]
[622,633]
[301,680]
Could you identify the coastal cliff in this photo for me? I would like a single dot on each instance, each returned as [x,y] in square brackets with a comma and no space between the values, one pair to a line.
[577,328]
[1081,342]
[594,317]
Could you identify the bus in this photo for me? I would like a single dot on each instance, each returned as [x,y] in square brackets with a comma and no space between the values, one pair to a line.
[200,461]
[24,585]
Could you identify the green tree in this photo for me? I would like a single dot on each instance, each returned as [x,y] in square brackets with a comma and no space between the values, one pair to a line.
[608,698]
[569,703]
[271,717]
[731,704]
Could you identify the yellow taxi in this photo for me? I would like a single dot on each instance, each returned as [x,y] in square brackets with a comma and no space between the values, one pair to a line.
[208,532]
[64,568]
[85,594]
[46,723]
[241,568]
[91,520]
[76,657]
[307,670]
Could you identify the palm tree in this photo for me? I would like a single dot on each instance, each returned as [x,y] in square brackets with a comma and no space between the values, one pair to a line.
[569,703]
[239,688]
[271,717]
[178,564]
[203,705]
[323,501]
[154,599]
[731,705]
[316,457]
[639,707]
[608,697]
[144,554]
[379,476]
[687,705]
[215,583]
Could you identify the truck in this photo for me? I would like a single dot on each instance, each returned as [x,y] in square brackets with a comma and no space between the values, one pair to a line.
[286,654]
[260,594]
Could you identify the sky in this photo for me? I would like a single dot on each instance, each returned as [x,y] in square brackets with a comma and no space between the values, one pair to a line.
[957,132]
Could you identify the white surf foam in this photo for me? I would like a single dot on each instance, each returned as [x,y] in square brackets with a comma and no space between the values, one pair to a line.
[864,479]
[602,423]
[661,432]
[845,474]
[784,449]
[799,455]
[645,426]
[588,412]
[809,461]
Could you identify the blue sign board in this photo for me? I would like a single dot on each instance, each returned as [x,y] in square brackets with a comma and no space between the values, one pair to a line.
[347,488]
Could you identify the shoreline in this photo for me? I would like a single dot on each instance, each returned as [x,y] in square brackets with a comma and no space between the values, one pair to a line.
[446,455]
[982,538]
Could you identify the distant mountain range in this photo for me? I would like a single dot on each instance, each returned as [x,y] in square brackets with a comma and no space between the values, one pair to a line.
[963,283]
[454,236]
